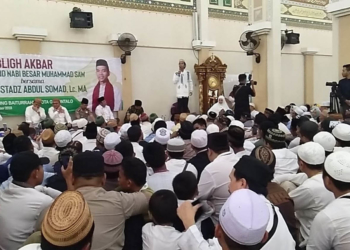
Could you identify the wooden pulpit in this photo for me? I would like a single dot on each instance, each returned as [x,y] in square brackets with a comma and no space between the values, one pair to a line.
[211,75]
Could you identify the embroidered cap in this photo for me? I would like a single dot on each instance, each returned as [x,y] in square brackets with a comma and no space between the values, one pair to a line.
[59,127]
[162,136]
[275,135]
[68,220]
[337,165]
[176,145]
[244,217]
[101,135]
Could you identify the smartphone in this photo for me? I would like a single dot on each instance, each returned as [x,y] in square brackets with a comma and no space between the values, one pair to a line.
[5,126]
[200,210]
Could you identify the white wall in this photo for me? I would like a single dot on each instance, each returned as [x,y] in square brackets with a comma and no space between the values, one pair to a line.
[322,75]
[163,39]
[292,79]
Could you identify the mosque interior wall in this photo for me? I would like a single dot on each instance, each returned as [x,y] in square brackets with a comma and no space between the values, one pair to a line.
[163,38]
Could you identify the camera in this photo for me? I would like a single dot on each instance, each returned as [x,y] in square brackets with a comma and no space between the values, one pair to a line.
[250,82]
[332,84]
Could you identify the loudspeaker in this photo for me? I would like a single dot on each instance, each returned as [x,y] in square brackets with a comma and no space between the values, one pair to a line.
[293,38]
[81,20]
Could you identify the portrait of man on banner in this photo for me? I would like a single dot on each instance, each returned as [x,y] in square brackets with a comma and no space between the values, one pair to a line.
[104,88]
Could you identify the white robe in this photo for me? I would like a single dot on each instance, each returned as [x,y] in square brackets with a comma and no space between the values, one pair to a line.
[217,107]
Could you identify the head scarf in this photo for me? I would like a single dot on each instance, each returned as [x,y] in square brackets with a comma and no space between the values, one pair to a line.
[217,107]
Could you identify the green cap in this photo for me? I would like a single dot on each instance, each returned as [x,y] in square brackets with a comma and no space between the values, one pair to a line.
[152,117]
[59,127]
[100,121]
[48,123]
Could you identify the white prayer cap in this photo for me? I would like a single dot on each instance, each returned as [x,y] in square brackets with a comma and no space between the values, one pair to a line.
[231,118]
[205,117]
[199,138]
[191,118]
[162,136]
[176,145]
[326,140]
[213,128]
[303,108]
[80,123]
[111,140]
[237,123]
[307,114]
[244,217]
[63,138]
[298,110]
[155,121]
[326,104]
[342,132]
[337,165]
[312,153]
[252,104]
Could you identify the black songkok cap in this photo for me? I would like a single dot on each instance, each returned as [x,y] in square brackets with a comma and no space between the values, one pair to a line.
[102,62]
[256,173]
[218,142]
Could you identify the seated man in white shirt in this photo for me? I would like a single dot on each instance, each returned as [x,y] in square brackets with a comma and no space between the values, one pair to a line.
[104,110]
[58,113]
[250,173]
[78,221]
[286,161]
[135,136]
[176,162]
[214,179]
[23,203]
[35,113]
[160,234]
[330,228]
[161,178]
[242,224]
[311,196]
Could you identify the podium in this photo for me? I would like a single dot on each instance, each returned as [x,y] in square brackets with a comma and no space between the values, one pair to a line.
[211,75]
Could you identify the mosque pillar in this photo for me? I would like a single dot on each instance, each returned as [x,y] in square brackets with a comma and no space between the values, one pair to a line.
[265,20]
[126,73]
[308,54]
[29,39]
[340,10]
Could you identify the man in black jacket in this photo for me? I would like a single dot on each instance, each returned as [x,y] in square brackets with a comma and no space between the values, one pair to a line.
[199,142]
[344,89]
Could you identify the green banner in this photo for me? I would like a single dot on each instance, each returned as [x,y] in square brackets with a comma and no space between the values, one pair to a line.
[16,106]
[26,77]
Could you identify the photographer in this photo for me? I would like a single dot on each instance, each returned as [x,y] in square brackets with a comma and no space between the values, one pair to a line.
[241,94]
[343,91]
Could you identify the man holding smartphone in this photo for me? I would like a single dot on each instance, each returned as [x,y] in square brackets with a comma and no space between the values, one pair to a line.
[241,95]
